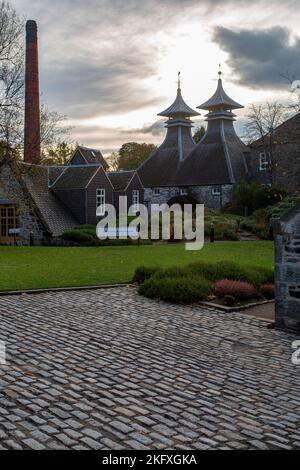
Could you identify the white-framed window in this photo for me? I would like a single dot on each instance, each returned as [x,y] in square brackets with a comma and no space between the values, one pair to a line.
[136,200]
[183,192]
[156,192]
[264,161]
[216,191]
[100,202]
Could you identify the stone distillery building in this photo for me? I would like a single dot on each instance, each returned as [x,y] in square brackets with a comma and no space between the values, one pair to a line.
[41,202]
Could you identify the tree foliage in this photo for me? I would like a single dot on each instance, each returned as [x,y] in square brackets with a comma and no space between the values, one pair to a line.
[199,134]
[249,196]
[130,156]
[58,154]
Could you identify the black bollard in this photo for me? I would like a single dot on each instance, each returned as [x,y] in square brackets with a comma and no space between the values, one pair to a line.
[212,233]
[31,239]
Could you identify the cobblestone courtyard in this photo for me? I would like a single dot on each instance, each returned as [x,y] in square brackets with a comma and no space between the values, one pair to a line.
[107,369]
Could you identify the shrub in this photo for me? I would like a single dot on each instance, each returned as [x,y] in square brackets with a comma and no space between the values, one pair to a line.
[85,227]
[177,290]
[261,230]
[230,270]
[77,236]
[282,207]
[143,273]
[231,236]
[236,289]
[268,291]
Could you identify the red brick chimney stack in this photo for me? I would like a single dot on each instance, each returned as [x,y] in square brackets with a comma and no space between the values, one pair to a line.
[32,138]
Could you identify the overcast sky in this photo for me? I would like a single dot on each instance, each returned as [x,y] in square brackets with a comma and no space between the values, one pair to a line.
[111,65]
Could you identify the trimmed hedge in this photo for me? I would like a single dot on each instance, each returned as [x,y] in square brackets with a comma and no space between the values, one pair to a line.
[77,236]
[230,270]
[222,270]
[176,290]
[215,272]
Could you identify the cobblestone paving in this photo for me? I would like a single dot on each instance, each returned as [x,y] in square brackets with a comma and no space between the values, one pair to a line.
[110,370]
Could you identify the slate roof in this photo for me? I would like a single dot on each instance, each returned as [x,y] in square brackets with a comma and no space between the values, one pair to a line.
[218,159]
[179,107]
[220,100]
[163,166]
[54,215]
[54,172]
[121,179]
[76,177]
[92,156]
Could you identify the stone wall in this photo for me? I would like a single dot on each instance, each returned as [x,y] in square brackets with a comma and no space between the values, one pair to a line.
[288,274]
[29,221]
[203,194]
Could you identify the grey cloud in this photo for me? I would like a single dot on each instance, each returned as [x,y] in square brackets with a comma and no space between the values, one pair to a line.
[258,58]
[155,129]
[111,139]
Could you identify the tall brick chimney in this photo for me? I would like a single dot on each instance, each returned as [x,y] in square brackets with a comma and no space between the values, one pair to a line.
[32,138]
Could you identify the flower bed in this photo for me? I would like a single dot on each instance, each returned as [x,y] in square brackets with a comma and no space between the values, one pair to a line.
[225,283]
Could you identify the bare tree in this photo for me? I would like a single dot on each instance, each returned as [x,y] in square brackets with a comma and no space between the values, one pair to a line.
[261,125]
[12,73]
[263,119]
[53,128]
[294,104]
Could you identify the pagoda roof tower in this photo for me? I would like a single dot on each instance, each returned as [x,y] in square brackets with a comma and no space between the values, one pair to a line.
[219,158]
[161,168]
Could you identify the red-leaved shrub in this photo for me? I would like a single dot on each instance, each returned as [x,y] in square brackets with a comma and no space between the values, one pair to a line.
[268,291]
[237,289]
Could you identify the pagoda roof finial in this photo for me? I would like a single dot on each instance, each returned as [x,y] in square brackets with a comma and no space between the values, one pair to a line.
[179,107]
[220,71]
[179,80]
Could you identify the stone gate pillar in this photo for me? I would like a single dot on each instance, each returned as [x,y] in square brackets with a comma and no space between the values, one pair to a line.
[287,277]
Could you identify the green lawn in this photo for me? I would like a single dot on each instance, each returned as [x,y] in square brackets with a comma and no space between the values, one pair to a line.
[42,267]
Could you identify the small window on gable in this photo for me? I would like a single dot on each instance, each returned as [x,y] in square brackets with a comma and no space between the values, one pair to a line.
[264,161]
[100,202]
[156,192]
[136,200]
[183,192]
[216,191]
